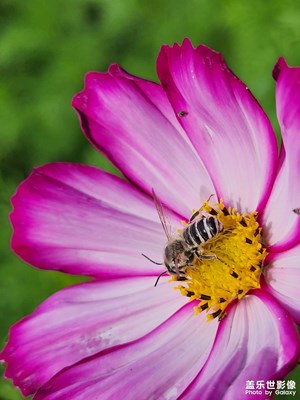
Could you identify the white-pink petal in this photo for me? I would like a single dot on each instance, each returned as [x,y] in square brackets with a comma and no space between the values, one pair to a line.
[81,220]
[84,320]
[131,121]
[257,341]
[228,128]
[159,366]
[282,276]
[283,225]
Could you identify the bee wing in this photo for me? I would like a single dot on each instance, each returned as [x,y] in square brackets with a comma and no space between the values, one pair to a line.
[161,214]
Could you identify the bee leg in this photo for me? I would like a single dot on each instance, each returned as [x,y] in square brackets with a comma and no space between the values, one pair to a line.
[196,213]
[200,255]
[206,202]
[177,268]
[208,256]
[212,195]
[190,255]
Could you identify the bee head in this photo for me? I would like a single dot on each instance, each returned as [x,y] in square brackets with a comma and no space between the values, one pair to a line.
[175,250]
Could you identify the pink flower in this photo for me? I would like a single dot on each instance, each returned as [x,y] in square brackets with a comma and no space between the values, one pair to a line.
[200,132]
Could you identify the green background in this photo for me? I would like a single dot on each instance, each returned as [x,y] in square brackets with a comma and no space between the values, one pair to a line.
[46,47]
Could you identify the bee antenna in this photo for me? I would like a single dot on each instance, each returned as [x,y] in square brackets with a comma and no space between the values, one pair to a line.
[159,276]
[148,258]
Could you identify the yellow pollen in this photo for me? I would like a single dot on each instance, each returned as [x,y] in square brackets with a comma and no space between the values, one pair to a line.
[236,266]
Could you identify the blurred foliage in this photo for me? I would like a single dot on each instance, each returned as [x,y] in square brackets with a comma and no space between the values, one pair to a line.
[46,47]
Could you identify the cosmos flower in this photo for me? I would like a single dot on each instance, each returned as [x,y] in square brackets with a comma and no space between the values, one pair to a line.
[202,142]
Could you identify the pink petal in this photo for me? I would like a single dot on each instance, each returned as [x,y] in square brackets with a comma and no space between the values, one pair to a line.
[283,223]
[131,121]
[83,320]
[81,220]
[228,128]
[257,341]
[157,366]
[283,278]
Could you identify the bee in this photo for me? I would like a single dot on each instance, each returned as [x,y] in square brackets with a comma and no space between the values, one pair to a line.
[296,211]
[181,251]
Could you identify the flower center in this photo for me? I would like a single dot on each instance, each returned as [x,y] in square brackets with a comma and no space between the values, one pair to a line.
[231,265]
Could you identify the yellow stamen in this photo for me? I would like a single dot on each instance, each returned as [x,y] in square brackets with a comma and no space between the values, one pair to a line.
[236,268]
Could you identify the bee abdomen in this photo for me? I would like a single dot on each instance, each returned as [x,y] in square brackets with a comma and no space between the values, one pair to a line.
[201,230]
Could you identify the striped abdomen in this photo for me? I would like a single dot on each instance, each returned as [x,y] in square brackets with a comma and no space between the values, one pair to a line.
[201,230]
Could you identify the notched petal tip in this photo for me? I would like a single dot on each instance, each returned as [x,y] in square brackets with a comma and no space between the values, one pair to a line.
[166,48]
[188,45]
[279,66]
[79,101]
[204,55]
[91,80]
[116,70]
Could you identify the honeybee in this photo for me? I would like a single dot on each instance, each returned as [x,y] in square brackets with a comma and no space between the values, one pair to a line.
[181,250]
